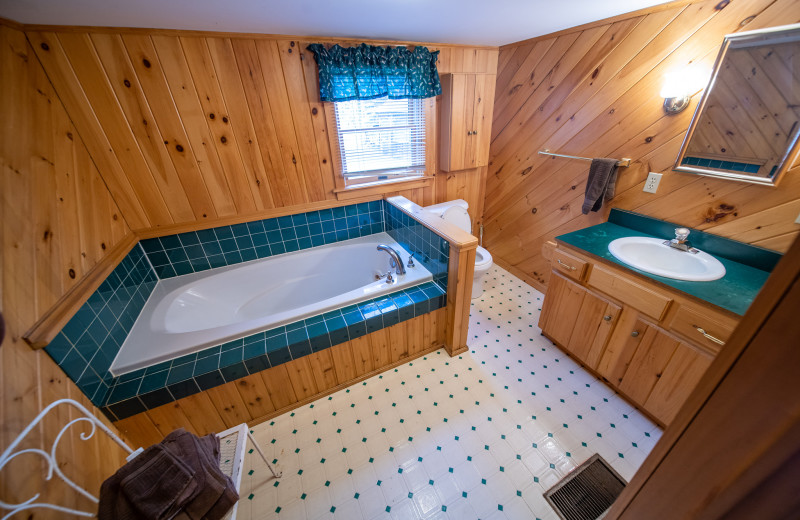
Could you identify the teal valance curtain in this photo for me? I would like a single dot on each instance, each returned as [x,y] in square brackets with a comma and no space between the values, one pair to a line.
[369,72]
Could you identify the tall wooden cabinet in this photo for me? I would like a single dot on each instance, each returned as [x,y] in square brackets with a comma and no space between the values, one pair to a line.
[644,340]
[466,120]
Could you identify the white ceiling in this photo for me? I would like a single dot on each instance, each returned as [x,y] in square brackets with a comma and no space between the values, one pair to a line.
[476,22]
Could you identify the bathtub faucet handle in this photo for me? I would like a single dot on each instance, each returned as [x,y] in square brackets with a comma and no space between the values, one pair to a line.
[411,261]
[394,258]
[389,278]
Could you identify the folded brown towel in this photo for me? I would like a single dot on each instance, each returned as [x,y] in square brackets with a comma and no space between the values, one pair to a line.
[601,184]
[156,484]
[178,478]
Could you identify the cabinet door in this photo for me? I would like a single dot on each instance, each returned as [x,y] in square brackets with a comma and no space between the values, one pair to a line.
[684,370]
[592,329]
[456,120]
[647,365]
[562,304]
[466,120]
[481,120]
[625,339]
[577,319]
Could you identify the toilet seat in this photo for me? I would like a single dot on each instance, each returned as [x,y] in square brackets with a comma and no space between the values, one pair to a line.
[483,259]
[458,216]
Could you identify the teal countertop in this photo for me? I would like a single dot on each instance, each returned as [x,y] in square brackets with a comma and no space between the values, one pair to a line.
[735,291]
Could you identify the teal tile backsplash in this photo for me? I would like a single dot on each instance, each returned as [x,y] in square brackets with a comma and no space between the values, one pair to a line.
[196,251]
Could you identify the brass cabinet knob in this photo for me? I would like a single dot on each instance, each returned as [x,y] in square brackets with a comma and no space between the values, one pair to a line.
[607,317]
[635,333]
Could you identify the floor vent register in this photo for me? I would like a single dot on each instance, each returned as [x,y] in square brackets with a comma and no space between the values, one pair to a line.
[587,492]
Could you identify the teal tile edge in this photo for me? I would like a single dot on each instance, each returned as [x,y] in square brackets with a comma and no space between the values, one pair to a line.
[754,256]
[734,292]
[172,380]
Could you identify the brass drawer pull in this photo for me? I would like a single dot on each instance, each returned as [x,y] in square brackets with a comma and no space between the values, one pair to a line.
[607,317]
[708,336]
[570,267]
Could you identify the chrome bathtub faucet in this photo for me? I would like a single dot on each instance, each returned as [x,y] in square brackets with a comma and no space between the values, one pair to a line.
[395,261]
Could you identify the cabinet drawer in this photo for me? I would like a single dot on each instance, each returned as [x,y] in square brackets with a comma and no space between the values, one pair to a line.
[698,324]
[635,295]
[569,265]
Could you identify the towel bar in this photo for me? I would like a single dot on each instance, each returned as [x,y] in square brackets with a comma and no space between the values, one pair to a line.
[625,162]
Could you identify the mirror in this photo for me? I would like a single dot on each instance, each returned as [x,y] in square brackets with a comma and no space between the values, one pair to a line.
[747,124]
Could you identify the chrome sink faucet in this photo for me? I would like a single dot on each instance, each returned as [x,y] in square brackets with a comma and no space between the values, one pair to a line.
[395,261]
[680,241]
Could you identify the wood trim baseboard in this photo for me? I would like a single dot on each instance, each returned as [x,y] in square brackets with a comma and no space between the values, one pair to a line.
[48,326]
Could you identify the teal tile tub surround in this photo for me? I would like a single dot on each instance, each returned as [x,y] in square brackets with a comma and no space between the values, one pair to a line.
[88,344]
[747,267]
[160,384]
[89,341]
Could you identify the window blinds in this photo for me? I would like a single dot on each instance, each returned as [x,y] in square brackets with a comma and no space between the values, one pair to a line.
[380,139]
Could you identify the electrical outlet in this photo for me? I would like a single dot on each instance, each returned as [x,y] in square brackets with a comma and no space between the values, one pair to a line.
[653,180]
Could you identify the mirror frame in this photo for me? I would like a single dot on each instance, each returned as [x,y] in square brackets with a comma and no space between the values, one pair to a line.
[749,38]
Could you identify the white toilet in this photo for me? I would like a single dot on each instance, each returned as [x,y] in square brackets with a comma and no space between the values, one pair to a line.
[455,212]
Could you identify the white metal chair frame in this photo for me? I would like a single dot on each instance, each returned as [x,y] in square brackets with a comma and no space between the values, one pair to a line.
[52,466]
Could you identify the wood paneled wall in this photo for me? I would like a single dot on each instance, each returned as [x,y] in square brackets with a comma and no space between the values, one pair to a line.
[594,92]
[191,130]
[58,224]
[260,396]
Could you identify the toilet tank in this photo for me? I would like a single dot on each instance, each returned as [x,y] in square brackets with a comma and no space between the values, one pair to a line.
[454,211]
[440,208]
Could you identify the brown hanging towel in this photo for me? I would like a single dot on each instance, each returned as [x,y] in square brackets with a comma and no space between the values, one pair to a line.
[601,184]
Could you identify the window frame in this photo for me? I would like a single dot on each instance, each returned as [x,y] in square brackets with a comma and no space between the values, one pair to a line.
[343,191]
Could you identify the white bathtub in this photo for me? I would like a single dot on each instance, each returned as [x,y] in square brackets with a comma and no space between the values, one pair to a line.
[186,314]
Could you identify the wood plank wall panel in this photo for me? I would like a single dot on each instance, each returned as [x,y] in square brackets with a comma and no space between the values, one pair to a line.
[594,93]
[261,396]
[58,222]
[199,129]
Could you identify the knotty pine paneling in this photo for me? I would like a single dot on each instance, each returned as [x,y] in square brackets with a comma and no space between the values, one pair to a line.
[594,93]
[192,130]
[271,392]
[58,222]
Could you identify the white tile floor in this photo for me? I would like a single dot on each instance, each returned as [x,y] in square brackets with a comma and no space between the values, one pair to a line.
[482,435]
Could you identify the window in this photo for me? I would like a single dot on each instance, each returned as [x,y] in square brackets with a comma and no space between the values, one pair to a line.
[380,140]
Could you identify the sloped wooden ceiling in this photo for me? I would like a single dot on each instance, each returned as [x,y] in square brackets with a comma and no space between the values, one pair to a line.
[594,92]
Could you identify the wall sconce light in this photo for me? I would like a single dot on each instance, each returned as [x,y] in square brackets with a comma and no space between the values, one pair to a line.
[679,85]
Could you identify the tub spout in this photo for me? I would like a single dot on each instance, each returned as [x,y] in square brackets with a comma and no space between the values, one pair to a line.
[396,261]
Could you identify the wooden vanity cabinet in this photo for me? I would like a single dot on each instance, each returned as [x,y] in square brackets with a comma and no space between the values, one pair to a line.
[466,119]
[578,319]
[642,339]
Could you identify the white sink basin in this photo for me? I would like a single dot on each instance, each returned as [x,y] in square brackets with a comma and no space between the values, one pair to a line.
[652,256]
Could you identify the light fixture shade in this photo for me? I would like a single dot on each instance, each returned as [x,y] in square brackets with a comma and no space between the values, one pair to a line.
[684,82]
